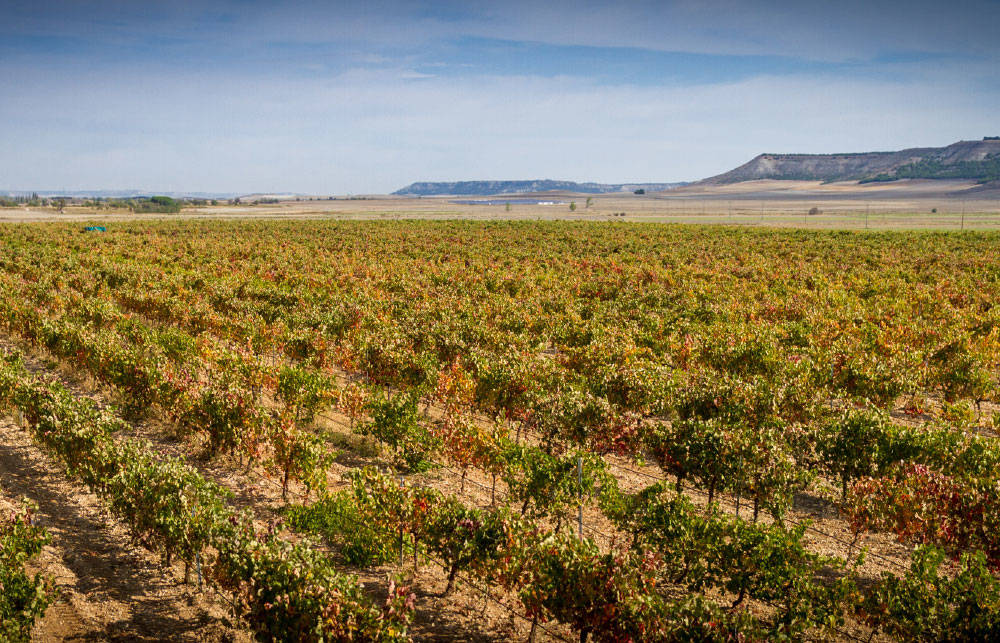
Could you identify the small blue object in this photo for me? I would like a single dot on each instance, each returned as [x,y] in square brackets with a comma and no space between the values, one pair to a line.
[95,228]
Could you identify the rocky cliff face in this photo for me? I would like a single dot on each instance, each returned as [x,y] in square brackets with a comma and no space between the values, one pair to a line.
[853,167]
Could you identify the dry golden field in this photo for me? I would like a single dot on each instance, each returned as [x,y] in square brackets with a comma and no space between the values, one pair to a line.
[900,205]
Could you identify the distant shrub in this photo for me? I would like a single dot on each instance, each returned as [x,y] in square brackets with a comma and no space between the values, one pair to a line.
[162,204]
[814,210]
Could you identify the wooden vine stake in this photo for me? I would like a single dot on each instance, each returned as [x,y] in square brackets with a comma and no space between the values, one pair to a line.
[579,482]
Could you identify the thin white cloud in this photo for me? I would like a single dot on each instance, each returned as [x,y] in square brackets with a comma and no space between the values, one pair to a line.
[370,131]
[363,116]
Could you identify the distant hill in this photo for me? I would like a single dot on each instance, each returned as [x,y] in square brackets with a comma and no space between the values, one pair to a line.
[978,160]
[490,188]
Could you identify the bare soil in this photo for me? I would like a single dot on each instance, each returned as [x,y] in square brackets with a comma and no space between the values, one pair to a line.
[112,589]
[109,589]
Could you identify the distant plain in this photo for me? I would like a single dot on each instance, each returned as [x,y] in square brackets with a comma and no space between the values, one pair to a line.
[805,204]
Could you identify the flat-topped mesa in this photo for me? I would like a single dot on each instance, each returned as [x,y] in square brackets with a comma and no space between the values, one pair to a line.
[493,188]
[965,159]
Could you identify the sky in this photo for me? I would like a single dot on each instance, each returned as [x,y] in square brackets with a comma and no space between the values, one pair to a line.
[334,97]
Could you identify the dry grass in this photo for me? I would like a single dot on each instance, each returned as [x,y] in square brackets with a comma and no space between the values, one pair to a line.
[881,206]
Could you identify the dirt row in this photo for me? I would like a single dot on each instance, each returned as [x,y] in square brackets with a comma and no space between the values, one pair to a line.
[108,588]
[468,613]
[139,598]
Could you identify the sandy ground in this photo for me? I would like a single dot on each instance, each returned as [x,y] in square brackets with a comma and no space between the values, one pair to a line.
[879,206]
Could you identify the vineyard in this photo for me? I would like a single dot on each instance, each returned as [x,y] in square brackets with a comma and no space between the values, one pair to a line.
[577,431]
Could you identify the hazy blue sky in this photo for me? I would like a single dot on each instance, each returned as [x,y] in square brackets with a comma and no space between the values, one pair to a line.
[329,97]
